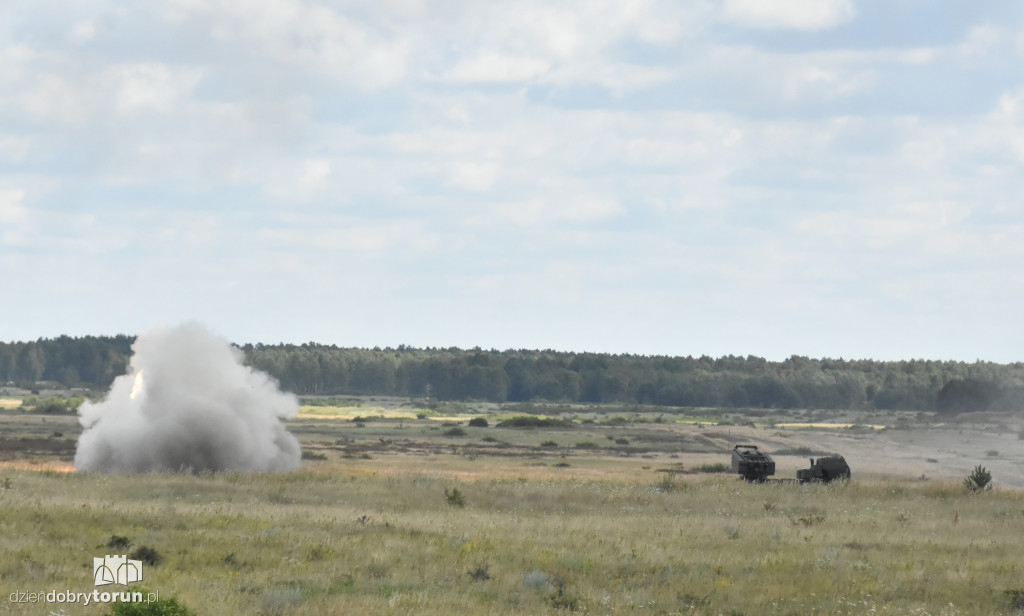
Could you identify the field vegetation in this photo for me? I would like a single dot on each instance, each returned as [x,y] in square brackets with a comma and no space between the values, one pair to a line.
[401,514]
[359,538]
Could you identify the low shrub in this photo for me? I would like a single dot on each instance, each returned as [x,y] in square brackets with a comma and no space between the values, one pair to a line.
[167,606]
[454,497]
[1016,599]
[979,479]
[717,467]
[119,543]
[147,555]
[529,421]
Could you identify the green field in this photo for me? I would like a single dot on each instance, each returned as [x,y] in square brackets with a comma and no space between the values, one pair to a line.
[620,525]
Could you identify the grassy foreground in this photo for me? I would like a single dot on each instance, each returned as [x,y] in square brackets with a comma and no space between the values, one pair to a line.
[381,537]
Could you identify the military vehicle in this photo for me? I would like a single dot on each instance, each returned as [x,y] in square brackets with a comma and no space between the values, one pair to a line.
[751,464]
[824,470]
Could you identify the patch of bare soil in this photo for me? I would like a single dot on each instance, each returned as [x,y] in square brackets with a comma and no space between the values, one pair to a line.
[946,453]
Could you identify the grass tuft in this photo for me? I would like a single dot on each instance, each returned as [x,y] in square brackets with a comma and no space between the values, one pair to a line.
[454,497]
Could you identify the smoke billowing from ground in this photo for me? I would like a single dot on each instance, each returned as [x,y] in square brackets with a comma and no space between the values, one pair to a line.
[195,407]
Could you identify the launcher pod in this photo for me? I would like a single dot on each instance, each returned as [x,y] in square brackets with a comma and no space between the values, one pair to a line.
[751,464]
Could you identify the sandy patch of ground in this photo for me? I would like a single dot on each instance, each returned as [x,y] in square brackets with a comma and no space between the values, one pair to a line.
[829,426]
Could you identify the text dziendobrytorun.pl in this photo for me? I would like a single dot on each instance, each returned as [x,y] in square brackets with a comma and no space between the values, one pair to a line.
[85,598]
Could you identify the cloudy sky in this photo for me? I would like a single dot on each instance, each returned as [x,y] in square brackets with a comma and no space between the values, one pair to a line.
[837,178]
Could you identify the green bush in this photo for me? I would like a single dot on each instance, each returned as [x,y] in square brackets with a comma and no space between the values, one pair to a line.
[50,406]
[528,421]
[162,607]
[454,497]
[147,555]
[717,467]
[979,479]
[478,422]
[119,543]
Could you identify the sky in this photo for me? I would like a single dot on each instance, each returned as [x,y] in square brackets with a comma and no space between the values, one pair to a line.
[829,178]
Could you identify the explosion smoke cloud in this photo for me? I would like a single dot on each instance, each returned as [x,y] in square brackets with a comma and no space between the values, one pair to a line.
[188,403]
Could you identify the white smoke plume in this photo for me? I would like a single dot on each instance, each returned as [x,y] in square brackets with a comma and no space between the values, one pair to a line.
[188,404]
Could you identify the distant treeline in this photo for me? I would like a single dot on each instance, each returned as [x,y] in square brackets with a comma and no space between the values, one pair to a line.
[527,375]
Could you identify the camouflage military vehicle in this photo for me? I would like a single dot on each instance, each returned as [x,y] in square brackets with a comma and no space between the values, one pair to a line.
[751,464]
[825,470]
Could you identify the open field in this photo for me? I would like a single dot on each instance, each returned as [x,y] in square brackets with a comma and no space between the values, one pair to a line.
[601,517]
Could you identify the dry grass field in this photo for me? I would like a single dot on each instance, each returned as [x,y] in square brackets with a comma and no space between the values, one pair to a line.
[604,517]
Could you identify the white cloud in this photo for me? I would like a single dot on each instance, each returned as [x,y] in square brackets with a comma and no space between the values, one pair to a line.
[795,14]
[63,92]
[314,175]
[83,31]
[289,180]
[475,175]
[620,78]
[304,37]
[572,208]
[14,149]
[51,98]
[933,227]
[491,67]
[565,44]
[153,86]
[981,40]
[919,56]
[364,239]
[815,82]
[1008,123]
[11,209]
[632,143]
[14,218]
[1011,106]
[15,61]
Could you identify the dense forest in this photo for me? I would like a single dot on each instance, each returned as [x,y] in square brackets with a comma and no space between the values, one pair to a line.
[528,375]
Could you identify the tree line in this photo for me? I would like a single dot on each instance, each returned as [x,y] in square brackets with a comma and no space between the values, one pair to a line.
[556,376]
